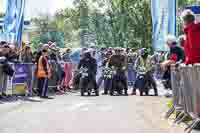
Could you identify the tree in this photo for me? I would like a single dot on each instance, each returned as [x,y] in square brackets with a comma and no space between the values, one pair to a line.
[183,3]
[2,14]
[53,36]
[124,23]
[63,27]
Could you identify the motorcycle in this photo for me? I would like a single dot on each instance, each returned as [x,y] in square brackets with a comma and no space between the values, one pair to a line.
[107,77]
[141,84]
[117,83]
[86,84]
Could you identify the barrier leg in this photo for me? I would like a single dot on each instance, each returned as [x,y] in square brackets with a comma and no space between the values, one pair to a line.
[189,126]
[181,115]
[193,125]
[185,115]
[169,112]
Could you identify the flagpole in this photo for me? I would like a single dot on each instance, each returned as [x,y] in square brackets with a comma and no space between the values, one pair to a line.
[177,28]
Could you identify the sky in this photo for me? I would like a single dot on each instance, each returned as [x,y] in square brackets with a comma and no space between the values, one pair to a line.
[37,7]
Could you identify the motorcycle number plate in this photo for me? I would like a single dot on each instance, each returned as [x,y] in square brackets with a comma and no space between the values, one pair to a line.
[85,74]
[140,77]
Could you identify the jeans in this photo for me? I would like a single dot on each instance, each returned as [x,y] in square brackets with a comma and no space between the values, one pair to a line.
[3,82]
[120,77]
[43,86]
[107,85]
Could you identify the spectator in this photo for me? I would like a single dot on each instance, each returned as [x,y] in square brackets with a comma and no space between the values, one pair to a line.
[192,32]
[68,67]
[6,54]
[39,52]
[66,55]
[43,74]
[2,43]
[176,52]
[54,54]
[181,40]
[12,54]
[27,56]
[3,77]
[34,56]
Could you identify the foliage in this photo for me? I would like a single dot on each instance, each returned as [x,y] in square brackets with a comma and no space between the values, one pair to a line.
[105,23]
[53,36]
[183,3]
[62,28]
[124,23]
[2,15]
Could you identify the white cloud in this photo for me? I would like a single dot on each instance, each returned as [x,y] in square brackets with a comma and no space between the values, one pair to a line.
[36,7]
[2,5]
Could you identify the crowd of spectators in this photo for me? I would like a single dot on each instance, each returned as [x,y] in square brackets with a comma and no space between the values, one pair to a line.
[186,49]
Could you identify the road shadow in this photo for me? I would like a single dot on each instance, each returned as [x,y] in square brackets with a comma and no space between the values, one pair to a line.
[89,96]
[30,99]
[11,99]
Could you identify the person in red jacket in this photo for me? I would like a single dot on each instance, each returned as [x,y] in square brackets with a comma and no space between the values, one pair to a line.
[192,42]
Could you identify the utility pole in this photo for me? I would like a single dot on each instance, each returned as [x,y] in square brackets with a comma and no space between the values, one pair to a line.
[177,26]
[83,23]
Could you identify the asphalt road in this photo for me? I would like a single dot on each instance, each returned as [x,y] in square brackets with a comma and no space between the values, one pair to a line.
[71,113]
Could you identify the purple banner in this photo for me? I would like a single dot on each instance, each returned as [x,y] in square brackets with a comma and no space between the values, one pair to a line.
[21,73]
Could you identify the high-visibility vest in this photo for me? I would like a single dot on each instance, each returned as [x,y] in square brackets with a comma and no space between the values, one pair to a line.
[41,72]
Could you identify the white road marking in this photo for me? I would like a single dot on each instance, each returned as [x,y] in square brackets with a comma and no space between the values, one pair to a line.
[78,106]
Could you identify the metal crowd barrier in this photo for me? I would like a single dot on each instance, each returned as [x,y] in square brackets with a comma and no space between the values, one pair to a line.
[177,100]
[3,80]
[24,79]
[20,82]
[186,94]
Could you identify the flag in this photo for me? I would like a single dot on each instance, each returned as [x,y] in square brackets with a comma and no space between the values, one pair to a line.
[14,20]
[164,22]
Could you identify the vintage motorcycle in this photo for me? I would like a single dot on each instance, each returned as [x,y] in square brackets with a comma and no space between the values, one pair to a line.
[87,82]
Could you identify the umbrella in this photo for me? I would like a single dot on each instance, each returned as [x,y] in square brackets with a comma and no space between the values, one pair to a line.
[75,56]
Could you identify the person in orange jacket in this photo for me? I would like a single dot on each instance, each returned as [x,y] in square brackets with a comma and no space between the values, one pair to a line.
[43,74]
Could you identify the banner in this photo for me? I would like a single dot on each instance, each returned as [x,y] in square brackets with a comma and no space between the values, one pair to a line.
[164,22]
[196,10]
[21,73]
[14,20]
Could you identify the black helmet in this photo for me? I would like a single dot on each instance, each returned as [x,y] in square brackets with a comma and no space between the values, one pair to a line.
[87,53]
[144,52]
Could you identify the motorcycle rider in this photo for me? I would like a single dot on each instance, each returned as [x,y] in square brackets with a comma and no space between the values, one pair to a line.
[143,64]
[106,74]
[132,57]
[118,61]
[89,63]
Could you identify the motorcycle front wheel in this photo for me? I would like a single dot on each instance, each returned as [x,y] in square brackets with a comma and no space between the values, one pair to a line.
[82,92]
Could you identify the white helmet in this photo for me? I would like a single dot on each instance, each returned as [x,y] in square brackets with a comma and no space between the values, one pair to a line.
[171,39]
